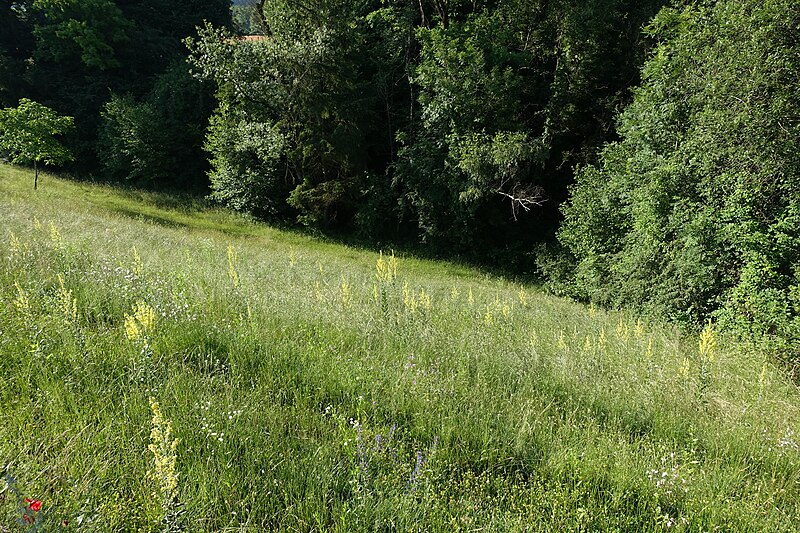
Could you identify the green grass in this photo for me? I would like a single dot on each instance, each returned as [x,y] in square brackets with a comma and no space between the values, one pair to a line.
[307,394]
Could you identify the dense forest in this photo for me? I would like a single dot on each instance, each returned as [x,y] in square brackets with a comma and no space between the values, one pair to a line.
[634,153]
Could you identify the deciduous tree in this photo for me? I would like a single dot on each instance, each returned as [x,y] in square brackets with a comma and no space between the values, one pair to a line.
[29,134]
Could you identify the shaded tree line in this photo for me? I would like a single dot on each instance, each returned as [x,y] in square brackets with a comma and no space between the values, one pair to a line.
[450,123]
[694,214]
[118,67]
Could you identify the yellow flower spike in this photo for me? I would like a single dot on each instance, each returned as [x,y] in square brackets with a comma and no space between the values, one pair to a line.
[68,304]
[408,299]
[622,330]
[318,292]
[649,353]
[233,261]
[386,269]
[454,293]
[639,329]
[602,340]
[14,245]
[137,268]
[375,295]
[380,267]
[132,330]
[164,450]
[685,368]
[470,298]
[146,316]
[346,293]
[562,343]
[523,298]
[36,224]
[708,343]
[587,344]
[506,310]
[424,300]
[22,302]
[55,237]
[141,322]
[488,317]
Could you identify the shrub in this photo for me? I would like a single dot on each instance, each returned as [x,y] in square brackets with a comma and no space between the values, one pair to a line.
[694,213]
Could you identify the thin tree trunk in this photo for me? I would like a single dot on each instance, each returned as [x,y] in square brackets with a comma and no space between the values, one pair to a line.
[35,174]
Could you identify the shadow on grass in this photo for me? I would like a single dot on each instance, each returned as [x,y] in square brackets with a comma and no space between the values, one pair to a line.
[192,211]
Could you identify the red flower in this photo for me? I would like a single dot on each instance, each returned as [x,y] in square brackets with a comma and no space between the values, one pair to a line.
[34,505]
[27,518]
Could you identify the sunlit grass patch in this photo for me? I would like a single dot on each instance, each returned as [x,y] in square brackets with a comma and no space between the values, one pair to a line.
[315,387]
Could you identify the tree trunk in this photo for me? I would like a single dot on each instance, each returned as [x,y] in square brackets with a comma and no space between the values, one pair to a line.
[35,174]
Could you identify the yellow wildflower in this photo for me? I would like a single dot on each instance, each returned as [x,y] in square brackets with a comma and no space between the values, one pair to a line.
[424,300]
[22,302]
[141,322]
[14,245]
[622,330]
[523,298]
[137,268]
[708,343]
[164,450]
[233,261]
[68,304]
[685,367]
[639,329]
[318,292]
[386,268]
[346,293]
[55,237]
[562,343]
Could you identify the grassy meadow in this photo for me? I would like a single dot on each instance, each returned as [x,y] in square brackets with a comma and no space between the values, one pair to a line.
[165,367]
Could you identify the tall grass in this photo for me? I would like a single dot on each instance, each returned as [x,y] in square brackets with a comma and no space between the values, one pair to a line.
[168,367]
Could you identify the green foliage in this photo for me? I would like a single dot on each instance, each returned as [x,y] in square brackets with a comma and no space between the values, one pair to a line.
[157,141]
[450,123]
[72,55]
[132,142]
[512,94]
[29,134]
[91,30]
[289,111]
[693,214]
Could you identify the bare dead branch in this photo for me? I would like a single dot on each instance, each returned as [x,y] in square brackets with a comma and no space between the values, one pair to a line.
[523,197]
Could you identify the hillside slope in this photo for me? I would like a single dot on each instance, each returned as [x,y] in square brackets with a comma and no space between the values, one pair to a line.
[167,365]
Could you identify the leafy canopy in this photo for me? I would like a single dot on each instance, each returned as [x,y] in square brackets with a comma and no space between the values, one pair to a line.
[694,214]
[28,133]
